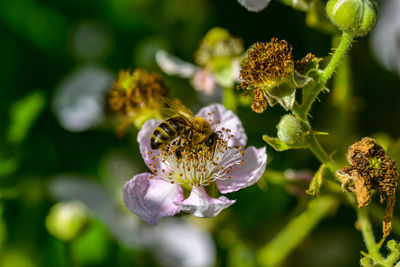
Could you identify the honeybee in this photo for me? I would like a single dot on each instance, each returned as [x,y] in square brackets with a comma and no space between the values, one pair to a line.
[182,123]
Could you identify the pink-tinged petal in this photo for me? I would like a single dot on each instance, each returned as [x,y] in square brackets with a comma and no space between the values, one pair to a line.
[204,81]
[246,174]
[202,205]
[151,199]
[143,139]
[228,120]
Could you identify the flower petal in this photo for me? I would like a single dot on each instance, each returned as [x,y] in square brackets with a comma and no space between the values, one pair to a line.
[228,120]
[202,205]
[151,199]
[180,243]
[204,81]
[175,66]
[246,174]
[254,5]
[143,139]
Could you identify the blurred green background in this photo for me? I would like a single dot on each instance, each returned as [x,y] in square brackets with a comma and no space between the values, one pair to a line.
[58,140]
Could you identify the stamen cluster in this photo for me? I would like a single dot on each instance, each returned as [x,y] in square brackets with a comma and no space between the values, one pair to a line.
[197,165]
[136,90]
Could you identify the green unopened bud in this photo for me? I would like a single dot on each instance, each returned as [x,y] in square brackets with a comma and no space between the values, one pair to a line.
[291,131]
[66,220]
[356,17]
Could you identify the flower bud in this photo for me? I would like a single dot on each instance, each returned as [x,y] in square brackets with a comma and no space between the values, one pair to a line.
[356,17]
[66,220]
[291,131]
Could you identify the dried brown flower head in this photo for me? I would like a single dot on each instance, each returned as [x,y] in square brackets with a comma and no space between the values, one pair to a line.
[133,91]
[217,43]
[371,169]
[265,63]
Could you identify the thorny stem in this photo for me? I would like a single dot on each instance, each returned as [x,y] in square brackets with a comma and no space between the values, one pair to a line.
[274,252]
[340,52]
[296,231]
[368,235]
[394,257]
[302,111]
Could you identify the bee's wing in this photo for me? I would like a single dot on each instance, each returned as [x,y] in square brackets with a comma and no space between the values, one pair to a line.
[176,108]
[176,105]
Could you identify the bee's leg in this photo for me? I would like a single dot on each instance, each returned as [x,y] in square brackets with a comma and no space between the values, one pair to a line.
[178,153]
[190,134]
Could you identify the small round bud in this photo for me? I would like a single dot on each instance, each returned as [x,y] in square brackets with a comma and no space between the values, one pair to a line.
[290,130]
[356,17]
[66,220]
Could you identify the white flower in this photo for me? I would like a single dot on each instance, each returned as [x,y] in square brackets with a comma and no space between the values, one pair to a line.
[160,193]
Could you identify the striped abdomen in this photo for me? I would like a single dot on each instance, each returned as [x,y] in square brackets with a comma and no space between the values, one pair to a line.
[167,131]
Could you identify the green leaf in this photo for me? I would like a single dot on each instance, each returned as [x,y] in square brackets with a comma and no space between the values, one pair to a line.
[316,182]
[23,114]
[278,145]
[7,165]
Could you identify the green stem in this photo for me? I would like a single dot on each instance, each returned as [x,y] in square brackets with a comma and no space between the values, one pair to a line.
[341,100]
[369,239]
[296,231]
[229,98]
[69,255]
[340,52]
[320,153]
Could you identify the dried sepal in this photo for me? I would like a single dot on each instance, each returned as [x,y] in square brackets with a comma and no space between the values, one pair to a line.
[387,219]
[363,196]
